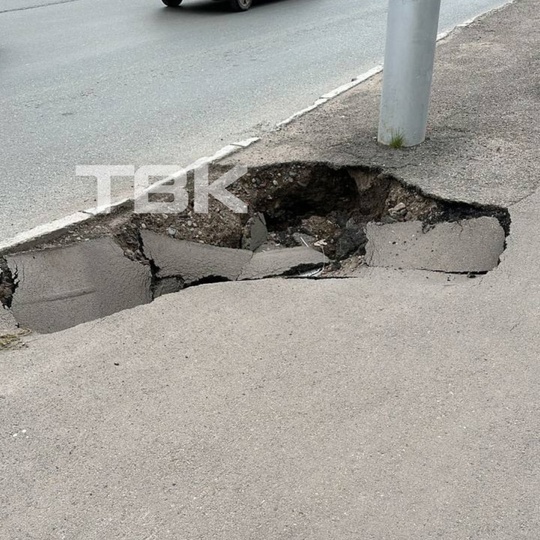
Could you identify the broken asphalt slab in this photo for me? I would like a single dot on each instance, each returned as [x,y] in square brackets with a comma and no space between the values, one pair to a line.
[58,288]
[279,262]
[62,287]
[192,261]
[469,246]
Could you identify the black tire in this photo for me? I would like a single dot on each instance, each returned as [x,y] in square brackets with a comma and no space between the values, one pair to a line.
[172,3]
[240,5]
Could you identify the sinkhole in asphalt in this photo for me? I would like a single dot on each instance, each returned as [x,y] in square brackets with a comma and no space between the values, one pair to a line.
[304,220]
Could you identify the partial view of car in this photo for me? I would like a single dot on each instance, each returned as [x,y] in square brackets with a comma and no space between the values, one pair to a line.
[236,5]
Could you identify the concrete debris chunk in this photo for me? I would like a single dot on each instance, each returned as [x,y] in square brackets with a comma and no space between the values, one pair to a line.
[281,262]
[62,287]
[256,232]
[350,242]
[472,245]
[192,261]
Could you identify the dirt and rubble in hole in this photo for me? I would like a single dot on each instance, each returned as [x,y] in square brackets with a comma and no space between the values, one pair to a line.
[219,227]
[326,208]
[8,284]
[290,204]
[11,334]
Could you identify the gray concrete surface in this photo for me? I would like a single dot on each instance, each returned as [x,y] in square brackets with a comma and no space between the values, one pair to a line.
[472,245]
[130,82]
[278,262]
[397,405]
[62,287]
[389,406]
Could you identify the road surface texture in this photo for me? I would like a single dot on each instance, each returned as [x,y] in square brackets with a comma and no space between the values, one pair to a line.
[396,405]
[131,82]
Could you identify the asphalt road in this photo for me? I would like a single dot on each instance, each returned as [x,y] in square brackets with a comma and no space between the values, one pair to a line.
[131,82]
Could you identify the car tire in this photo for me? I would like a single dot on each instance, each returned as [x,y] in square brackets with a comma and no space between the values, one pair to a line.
[240,5]
[172,3]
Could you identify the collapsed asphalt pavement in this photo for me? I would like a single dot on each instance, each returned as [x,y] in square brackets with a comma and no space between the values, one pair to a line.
[305,220]
[401,402]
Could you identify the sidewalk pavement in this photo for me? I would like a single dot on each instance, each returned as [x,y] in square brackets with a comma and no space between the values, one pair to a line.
[393,405]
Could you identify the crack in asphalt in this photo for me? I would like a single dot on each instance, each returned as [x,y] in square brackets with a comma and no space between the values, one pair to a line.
[56,2]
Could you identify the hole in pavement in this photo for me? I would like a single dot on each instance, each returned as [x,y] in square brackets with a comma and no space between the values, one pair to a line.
[305,219]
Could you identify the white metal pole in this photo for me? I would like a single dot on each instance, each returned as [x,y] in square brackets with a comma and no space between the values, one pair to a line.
[408,70]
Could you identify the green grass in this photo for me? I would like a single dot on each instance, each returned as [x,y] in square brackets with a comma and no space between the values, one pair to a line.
[397,140]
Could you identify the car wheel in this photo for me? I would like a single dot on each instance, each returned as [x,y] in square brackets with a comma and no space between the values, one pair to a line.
[240,5]
[172,3]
